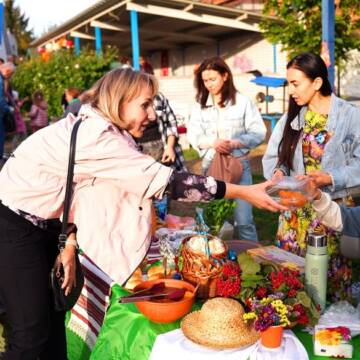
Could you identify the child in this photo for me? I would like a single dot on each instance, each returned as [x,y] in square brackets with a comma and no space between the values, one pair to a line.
[38,112]
[20,132]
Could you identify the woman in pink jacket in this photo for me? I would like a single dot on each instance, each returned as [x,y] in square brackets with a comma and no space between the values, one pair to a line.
[114,184]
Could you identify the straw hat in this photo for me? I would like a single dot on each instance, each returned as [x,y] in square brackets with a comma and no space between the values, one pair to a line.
[219,325]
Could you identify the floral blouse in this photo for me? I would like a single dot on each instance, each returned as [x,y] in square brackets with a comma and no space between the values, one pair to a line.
[190,187]
[182,187]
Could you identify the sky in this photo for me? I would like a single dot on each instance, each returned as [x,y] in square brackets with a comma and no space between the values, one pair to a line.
[43,14]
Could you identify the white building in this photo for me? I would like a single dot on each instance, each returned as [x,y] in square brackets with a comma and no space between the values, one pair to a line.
[175,36]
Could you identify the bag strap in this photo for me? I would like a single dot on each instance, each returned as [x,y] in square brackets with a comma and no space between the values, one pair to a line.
[69,181]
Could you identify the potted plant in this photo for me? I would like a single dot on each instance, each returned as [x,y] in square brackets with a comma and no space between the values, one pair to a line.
[270,316]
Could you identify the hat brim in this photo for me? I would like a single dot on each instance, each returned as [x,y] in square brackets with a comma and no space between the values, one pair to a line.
[201,334]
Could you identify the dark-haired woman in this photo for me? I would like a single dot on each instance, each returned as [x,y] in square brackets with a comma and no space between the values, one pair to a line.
[225,121]
[318,136]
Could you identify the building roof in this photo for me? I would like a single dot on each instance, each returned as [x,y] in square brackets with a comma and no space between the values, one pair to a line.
[163,24]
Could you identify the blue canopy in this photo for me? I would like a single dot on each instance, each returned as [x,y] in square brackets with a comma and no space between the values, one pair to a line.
[269,81]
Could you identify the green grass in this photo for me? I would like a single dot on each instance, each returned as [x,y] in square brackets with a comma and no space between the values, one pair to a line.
[190,154]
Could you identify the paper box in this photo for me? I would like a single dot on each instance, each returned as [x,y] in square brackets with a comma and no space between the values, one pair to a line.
[333,341]
[279,257]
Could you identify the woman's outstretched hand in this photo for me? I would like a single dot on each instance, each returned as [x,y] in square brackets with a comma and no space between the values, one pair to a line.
[255,195]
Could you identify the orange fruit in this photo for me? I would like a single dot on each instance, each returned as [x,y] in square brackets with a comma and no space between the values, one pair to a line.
[292,198]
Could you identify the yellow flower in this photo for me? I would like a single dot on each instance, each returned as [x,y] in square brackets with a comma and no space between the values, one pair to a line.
[327,337]
[249,316]
[265,301]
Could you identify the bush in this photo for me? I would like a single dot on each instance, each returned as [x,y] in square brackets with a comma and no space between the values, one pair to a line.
[64,69]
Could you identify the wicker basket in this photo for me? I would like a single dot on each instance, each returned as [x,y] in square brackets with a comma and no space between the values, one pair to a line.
[201,270]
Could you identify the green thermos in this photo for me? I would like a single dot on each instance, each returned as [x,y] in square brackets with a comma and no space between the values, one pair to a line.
[316,268]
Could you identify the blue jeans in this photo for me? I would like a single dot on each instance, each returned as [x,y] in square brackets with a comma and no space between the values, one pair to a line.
[244,225]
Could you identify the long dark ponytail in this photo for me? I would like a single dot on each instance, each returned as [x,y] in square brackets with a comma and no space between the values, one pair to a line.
[313,67]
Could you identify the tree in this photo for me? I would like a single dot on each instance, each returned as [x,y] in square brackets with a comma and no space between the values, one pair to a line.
[64,69]
[299,26]
[18,24]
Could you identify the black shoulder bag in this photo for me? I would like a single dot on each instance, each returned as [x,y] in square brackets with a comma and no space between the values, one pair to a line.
[62,302]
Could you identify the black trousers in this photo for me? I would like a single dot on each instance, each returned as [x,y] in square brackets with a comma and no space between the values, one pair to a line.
[27,254]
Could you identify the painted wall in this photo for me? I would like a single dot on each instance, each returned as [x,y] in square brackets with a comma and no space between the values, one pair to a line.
[242,54]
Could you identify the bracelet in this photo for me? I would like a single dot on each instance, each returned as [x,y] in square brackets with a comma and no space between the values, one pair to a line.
[72,242]
[71,229]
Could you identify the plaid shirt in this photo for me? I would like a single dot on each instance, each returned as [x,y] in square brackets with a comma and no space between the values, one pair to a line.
[168,126]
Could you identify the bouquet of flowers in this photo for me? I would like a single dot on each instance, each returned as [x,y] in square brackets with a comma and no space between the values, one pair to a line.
[253,283]
[268,312]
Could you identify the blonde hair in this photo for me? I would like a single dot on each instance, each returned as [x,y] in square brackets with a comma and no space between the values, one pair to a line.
[115,88]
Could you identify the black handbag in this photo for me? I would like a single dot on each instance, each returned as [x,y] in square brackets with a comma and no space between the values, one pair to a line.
[62,302]
[9,122]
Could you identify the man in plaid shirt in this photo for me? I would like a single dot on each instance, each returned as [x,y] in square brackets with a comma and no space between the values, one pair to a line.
[160,138]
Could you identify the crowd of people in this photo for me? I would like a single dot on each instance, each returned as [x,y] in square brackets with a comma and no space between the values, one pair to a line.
[10,110]
[128,155]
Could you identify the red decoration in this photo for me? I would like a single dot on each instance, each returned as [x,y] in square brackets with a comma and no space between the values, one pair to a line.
[164,62]
[69,43]
[40,50]
[182,129]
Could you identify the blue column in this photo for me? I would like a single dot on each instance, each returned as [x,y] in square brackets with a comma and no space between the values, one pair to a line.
[328,34]
[98,40]
[135,39]
[77,45]
[1,20]
[274,59]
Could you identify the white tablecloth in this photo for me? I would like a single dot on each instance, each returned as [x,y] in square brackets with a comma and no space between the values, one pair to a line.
[175,346]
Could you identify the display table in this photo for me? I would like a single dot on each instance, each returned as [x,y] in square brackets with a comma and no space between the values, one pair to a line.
[127,335]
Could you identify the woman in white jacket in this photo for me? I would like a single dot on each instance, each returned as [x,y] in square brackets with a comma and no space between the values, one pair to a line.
[225,121]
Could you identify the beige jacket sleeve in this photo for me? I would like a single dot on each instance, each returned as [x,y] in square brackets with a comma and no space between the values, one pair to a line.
[328,212]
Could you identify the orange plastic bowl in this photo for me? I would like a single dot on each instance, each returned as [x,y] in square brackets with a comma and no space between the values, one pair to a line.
[166,312]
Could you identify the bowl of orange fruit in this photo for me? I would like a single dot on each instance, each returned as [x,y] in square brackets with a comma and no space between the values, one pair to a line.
[291,192]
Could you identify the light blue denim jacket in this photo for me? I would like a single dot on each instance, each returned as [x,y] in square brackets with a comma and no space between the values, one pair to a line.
[243,122]
[341,158]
